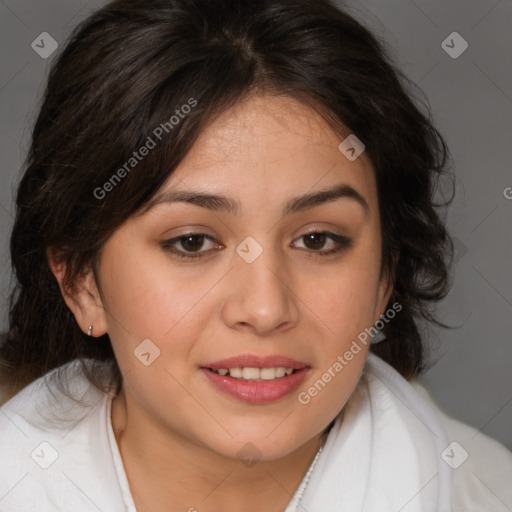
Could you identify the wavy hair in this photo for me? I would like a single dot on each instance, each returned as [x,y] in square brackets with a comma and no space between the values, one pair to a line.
[126,69]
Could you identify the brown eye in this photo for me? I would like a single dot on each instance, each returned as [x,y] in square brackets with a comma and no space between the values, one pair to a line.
[192,242]
[190,245]
[316,241]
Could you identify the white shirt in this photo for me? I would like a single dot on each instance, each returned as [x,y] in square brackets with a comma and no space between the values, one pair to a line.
[63,456]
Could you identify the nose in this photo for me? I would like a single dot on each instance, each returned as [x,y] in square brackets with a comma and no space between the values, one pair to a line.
[261,297]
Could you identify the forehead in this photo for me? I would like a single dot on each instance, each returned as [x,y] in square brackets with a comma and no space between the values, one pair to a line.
[273,145]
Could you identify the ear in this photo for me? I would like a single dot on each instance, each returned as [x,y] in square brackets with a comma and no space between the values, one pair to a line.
[82,297]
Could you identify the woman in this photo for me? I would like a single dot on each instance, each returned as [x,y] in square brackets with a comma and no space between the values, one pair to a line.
[225,206]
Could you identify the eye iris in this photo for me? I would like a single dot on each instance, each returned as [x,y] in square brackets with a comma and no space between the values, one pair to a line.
[314,240]
[192,242]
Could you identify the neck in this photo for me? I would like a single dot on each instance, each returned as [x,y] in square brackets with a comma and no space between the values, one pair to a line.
[166,470]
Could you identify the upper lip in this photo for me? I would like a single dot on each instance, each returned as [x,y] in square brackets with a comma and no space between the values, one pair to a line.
[254,361]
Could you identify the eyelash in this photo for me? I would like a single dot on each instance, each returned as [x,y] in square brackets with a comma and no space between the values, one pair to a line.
[342,241]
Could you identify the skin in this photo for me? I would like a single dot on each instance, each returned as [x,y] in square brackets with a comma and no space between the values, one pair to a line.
[179,437]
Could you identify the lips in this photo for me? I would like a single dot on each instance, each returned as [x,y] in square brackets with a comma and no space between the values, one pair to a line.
[260,390]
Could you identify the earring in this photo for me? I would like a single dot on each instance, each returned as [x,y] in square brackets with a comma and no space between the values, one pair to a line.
[89,331]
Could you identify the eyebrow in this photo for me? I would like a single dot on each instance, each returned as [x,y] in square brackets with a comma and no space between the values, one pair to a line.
[228,205]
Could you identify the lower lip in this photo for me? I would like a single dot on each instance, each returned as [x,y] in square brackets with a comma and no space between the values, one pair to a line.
[257,391]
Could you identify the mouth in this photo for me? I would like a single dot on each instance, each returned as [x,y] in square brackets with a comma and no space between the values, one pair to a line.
[256,379]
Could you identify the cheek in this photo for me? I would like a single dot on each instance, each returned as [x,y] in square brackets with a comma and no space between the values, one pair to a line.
[146,300]
[332,383]
[345,299]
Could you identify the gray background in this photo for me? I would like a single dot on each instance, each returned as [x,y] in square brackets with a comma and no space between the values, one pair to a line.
[471,102]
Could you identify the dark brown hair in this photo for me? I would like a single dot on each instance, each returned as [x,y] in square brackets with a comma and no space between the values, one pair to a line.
[128,67]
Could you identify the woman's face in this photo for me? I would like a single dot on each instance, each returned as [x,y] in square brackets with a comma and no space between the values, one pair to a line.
[251,283]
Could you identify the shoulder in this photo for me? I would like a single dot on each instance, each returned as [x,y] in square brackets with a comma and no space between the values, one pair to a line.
[473,469]
[53,443]
[50,404]
[481,466]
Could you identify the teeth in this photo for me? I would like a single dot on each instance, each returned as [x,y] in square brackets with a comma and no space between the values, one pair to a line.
[249,373]
[268,373]
[236,373]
